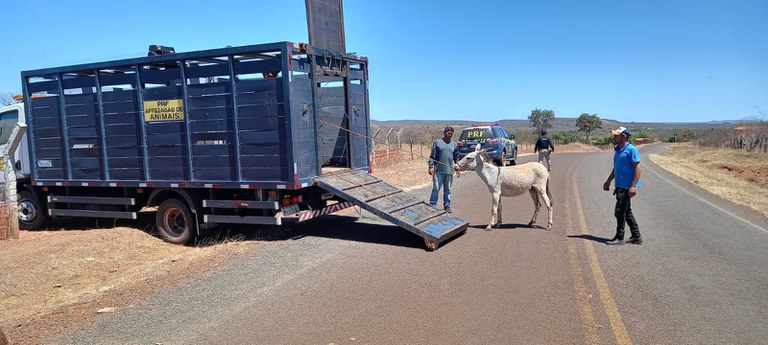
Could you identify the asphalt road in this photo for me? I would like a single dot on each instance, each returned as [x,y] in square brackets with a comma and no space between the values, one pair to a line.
[701,277]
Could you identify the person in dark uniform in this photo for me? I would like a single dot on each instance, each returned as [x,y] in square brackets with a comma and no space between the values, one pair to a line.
[544,147]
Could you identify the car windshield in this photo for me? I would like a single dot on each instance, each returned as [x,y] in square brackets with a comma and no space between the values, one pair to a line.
[475,134]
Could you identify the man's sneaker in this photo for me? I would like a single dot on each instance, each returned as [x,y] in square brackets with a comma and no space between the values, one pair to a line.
[448,209]
[615,240]
[635,240]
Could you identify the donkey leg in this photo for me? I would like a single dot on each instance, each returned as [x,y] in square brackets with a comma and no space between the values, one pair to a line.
[499,216]
[536,206]
[494,211]
[548,203]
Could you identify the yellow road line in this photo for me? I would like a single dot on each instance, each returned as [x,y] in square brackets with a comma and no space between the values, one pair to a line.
[582,297]
[617,325]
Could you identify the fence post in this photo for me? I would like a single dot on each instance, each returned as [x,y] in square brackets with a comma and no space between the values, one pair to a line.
[386,142]
[373,140]
[410,139]
[399,142]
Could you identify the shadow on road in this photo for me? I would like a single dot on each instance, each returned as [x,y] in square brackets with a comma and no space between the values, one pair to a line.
[508,226]
[591,238]
[346,228]
[332,226]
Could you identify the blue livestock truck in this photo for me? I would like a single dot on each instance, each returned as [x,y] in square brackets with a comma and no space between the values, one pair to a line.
[267,134]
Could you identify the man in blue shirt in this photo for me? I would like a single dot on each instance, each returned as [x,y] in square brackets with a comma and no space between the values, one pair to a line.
[626,171]
[442,160]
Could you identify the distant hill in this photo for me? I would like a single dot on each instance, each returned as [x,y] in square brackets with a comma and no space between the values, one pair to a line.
[424,130]
[559,124]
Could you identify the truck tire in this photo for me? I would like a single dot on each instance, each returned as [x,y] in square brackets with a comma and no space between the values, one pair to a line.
[32,214]
[175,223]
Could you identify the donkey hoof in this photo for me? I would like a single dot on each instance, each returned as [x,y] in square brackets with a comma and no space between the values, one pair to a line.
[549,227]
[488,228]
[530,225]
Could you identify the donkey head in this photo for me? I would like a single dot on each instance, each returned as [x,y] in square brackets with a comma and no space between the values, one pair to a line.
[473,159]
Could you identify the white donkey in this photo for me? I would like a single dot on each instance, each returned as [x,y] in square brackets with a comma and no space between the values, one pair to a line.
[511,181]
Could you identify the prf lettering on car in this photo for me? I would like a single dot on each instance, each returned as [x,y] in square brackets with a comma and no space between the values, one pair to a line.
[167,110]
[475,134]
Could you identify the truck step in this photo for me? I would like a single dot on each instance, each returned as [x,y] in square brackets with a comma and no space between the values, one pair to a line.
[91,214]
[213,218]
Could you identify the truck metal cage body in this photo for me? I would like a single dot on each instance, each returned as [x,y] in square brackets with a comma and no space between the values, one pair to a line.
[260,116]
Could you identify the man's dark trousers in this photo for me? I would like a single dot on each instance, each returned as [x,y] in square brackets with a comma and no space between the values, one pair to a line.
[624,214]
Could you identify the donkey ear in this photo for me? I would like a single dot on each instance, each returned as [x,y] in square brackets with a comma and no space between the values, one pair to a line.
[477,148]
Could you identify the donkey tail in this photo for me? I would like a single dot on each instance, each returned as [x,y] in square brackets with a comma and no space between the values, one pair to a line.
[549,194]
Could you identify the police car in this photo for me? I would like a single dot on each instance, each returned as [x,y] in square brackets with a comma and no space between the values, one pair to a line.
[499,144]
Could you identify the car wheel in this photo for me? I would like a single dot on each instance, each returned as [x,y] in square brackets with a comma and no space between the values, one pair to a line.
[514,158]
[503,159]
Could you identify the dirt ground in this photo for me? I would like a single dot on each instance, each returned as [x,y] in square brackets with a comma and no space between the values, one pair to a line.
[735,175]
[51,280]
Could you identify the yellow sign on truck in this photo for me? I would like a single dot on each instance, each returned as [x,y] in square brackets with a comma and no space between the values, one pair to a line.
[167,110]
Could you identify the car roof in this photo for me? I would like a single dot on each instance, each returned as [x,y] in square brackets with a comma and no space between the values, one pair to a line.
[477,127]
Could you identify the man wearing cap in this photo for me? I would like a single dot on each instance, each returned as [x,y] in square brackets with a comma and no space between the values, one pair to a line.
[442,162]
[626,171]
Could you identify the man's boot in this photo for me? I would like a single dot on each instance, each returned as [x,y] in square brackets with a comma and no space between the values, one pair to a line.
[618,239]
[635,238]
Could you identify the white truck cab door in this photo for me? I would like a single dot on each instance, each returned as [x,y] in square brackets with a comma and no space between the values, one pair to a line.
[9,117]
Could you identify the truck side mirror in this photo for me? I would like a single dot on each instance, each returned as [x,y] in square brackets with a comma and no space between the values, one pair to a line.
[511,136]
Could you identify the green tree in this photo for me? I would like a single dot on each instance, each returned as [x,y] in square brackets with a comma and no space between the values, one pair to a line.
[588,123]
[565,137]
[541,118]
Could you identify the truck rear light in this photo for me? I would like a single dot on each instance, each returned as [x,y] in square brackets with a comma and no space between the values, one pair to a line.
[239,204]
[460,143]
[292,200]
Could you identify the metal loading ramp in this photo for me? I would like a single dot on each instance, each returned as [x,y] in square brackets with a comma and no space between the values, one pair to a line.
[393,204]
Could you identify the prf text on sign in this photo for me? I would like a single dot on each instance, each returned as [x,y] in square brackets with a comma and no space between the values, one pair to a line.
[167,110]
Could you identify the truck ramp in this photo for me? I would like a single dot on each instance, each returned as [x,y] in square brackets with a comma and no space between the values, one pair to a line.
[395,205]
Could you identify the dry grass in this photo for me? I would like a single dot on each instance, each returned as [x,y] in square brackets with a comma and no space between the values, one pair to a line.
[44,271]
[735,175]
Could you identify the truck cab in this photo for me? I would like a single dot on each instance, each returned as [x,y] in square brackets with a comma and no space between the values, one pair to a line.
[9,116]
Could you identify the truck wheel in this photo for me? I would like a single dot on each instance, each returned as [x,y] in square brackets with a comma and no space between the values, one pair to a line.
[32,215]
[174,221]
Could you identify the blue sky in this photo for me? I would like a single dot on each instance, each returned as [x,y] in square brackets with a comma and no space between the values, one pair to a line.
[657,61]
